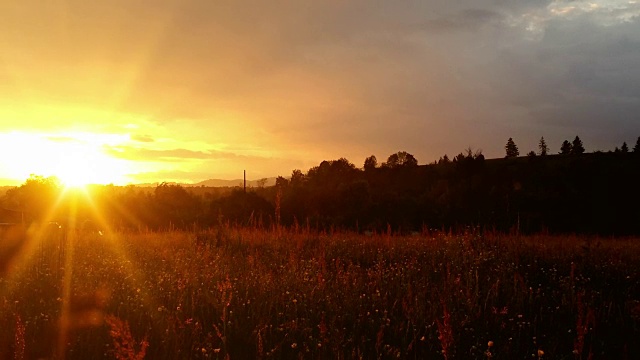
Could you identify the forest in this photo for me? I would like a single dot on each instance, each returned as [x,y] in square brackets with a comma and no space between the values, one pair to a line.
[569,192]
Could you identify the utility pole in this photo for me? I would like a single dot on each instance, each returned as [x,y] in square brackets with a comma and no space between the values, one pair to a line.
[245,180]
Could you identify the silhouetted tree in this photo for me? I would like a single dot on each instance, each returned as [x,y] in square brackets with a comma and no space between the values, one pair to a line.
[401,158]
[576,146]
[35,196]
[175,206]
[565,148]
[458,158]
[262,182]
[542,147]
[624,148]
[444,159]
[243,208]
[281,182]
[474,154]
[636,149]
[297,177]
[531,153]
[370,163]
[511,149]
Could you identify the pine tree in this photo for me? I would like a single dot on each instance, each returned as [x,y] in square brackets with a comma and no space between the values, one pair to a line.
[542,146]
[624,148]
[636,149]
[576,146]
[565,148]
[512,149]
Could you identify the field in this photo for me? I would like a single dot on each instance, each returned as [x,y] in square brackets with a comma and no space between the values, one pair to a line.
[285,294]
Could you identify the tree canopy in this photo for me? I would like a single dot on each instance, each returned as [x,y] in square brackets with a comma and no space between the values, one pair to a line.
[370,163]
[576,146]
[401,159]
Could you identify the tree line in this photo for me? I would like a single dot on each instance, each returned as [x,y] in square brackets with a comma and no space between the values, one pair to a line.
[572,191]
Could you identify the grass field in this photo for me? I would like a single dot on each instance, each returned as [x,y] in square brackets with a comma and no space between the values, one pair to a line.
[250,293]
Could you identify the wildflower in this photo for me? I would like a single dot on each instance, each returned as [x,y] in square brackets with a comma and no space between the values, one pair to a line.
[540,353]
[294,345]
[490,343]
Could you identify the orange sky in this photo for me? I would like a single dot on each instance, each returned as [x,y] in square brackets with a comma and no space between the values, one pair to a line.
[166,90]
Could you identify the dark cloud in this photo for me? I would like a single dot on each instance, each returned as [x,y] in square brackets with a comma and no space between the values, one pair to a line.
[466,20]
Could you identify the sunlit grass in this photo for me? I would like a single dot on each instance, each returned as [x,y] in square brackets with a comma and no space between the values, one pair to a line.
[251,293]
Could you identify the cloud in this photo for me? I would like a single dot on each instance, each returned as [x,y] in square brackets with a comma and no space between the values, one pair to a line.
[296,83]
[142,138]
[466,20]
[142,154]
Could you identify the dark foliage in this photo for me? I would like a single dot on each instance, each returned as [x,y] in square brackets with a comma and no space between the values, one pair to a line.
[590,193]
[576,146]
[370,163]
[243,208]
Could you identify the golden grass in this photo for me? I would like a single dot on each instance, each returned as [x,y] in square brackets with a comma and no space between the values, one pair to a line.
[251,293]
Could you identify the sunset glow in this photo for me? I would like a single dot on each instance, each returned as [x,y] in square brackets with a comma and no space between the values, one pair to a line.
[185,91]
[74,158]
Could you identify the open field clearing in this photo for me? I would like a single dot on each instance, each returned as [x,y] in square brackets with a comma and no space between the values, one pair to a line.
[250,293]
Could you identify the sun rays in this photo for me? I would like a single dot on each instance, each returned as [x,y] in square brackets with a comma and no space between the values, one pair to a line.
[51,248]
[74,158]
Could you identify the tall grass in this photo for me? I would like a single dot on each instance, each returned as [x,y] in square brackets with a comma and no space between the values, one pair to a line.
[251,293]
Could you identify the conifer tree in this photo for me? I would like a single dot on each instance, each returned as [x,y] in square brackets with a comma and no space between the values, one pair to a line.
[511,149]
[542,146]
[636,149]
[565,149]
[624,148]
[576,146]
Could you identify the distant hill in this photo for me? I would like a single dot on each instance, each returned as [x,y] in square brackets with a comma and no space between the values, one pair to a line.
[217,183]
[230,183]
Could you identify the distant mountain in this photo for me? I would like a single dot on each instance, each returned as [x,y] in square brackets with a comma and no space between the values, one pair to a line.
[230,183]
[216,183]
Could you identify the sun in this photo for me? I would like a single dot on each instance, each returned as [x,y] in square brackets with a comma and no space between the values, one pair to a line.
[76,159]
[82,164]
[79,170]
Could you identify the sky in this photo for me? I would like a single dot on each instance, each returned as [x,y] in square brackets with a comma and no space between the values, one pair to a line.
[127,91]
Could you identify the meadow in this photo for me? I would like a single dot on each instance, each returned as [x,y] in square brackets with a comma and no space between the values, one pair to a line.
[293,293]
